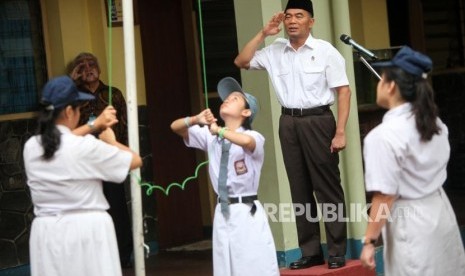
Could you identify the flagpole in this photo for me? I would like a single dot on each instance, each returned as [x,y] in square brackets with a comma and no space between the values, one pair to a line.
[133,132]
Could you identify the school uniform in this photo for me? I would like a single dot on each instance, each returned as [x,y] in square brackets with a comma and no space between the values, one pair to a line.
[242,241]
[305,80]
[422,235]
[72,234]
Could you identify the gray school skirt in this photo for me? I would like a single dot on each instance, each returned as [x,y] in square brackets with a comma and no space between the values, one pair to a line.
[423,238]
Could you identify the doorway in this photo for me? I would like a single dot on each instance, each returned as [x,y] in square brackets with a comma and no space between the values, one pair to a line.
[176,72]
[172,86]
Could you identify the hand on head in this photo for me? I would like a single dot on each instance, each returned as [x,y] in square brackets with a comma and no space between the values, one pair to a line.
[78,71]
[272,28]
[106,119]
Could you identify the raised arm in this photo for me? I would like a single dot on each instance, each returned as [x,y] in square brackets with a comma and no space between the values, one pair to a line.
[106,119]
[245,141]
[108,136]
[181,125]
[272,28]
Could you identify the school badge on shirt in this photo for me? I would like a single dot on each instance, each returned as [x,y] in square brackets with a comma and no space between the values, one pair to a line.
[240,167]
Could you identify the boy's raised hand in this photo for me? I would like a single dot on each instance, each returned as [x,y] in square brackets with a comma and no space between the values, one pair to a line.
[206,117]
[214,129]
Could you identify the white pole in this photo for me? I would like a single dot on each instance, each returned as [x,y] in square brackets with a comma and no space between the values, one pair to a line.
[133,131]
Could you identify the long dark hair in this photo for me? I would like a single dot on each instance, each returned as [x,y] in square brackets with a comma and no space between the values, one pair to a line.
[49,133]
[420,94]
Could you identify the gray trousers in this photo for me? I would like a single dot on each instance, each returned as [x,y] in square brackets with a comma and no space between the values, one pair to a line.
[312,168]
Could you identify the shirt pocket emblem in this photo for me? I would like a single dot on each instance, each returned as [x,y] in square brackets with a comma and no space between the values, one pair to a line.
[240,167]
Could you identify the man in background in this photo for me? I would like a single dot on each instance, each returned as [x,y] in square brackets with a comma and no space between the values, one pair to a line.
[85,71]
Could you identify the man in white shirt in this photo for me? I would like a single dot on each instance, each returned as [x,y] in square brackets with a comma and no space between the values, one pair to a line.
[307,73]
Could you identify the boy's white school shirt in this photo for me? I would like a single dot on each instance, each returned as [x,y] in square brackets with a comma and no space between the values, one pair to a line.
[243,169]
[242,243]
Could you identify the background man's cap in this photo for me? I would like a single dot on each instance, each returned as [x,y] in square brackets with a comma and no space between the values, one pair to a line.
[300,4]
[410,61]
[229,85]
[62,91]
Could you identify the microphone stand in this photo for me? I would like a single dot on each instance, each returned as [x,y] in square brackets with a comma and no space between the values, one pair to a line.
[364,61]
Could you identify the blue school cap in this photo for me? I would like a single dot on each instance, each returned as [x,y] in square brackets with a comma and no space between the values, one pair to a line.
[229,85]
[410,61]
[61,91]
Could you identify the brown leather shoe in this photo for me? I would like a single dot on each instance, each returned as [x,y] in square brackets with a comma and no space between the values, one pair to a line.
[306,262]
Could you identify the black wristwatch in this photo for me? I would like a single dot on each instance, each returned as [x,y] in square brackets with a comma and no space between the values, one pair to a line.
[366,241]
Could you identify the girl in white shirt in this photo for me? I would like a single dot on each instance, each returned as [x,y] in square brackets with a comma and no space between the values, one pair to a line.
[72,234]
[242,241]
[405,167]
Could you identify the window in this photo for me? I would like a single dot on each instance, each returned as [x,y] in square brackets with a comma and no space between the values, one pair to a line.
[22,56]
[445,32]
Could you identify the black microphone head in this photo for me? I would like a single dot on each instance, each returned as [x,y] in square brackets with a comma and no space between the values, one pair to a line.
[345,38]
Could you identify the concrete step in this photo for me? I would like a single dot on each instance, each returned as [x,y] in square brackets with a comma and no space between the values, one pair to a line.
[352,268]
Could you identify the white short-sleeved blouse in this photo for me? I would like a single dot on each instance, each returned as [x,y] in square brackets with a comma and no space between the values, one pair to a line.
[72,179]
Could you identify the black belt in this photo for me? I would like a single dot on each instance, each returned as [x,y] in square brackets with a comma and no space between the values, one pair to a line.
[300,112]
[243,199]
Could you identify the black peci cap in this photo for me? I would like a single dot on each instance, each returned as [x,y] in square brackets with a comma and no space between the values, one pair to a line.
[300,4]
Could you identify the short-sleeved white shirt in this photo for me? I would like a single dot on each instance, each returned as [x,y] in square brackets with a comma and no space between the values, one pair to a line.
[302,78]
[244,167]
[72,179]
[397,162]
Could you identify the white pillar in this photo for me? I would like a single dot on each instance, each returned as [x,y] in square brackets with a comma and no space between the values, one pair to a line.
[133,131]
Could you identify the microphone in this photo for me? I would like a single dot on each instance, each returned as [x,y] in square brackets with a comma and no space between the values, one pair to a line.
[348,40]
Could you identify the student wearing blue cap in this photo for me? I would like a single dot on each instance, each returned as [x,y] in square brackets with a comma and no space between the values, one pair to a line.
[406,158]
[72,234]
[85,70]
[242,239]
[308,76]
